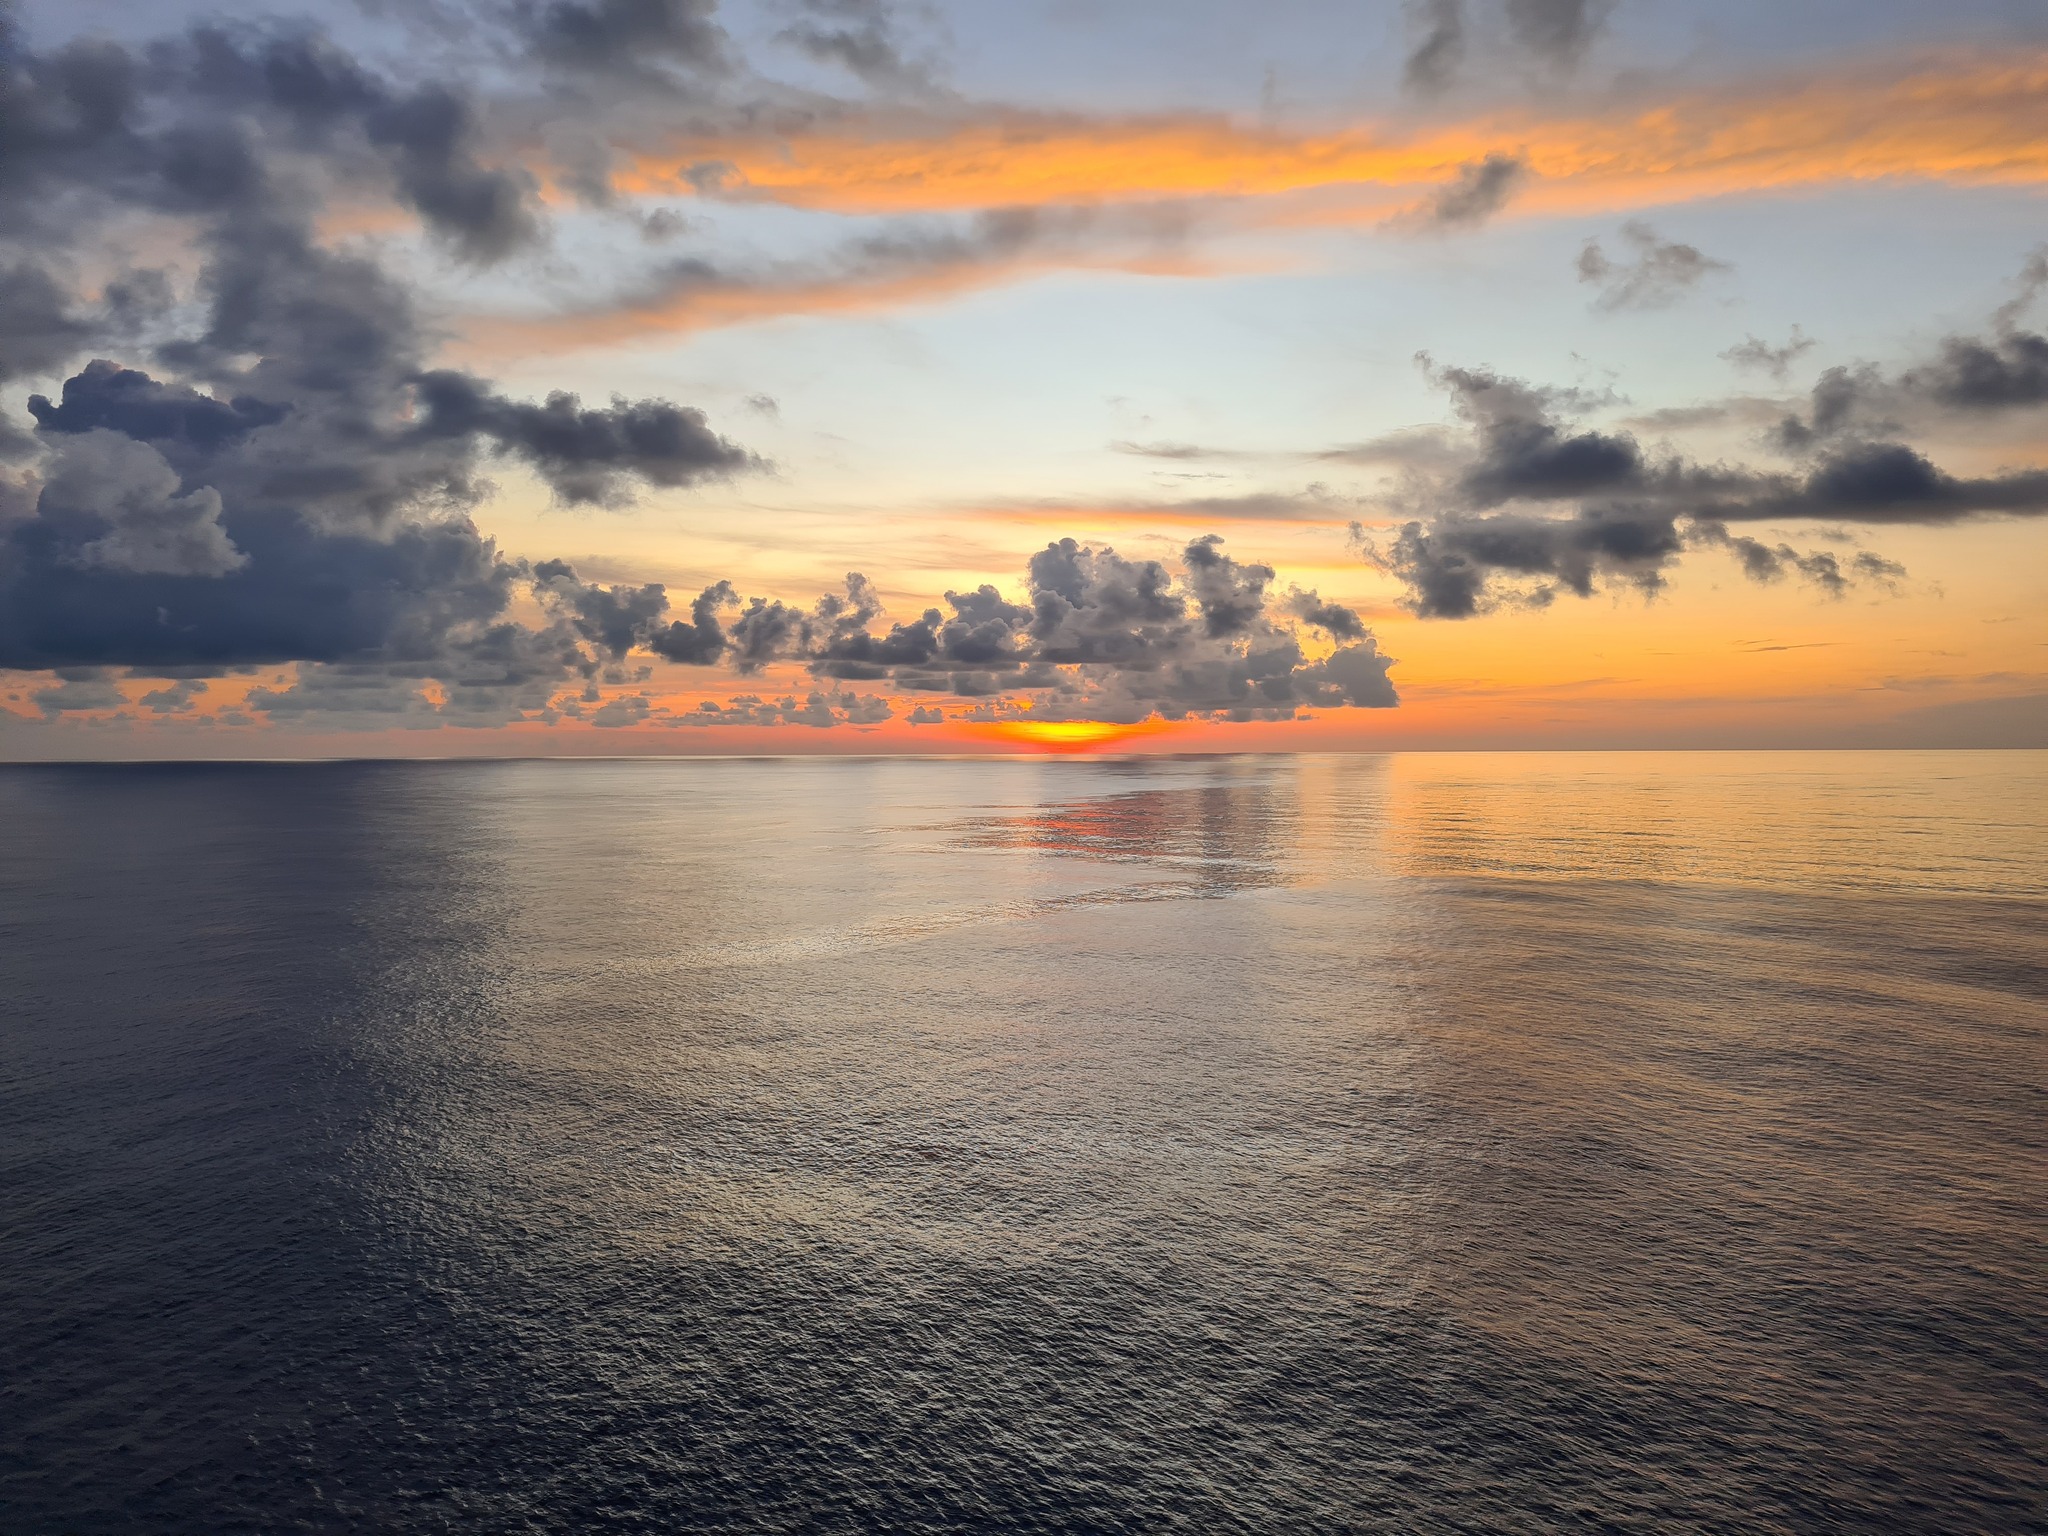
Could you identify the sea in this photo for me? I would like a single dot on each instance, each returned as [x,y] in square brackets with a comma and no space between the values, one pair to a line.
[1405,1143]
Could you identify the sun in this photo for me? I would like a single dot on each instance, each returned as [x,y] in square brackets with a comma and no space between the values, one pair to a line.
[1072,735]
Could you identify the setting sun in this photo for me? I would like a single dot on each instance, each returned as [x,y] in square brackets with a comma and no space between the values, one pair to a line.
[1073,735]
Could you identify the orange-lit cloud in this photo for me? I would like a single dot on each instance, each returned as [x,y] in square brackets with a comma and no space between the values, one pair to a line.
[1958,118]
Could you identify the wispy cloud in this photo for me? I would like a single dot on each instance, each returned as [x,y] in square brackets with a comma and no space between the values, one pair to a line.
[1957,118]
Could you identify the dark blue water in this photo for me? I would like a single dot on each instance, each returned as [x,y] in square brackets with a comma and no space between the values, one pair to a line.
[1415,1143]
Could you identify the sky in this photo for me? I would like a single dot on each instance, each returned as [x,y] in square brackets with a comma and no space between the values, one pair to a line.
[534,377]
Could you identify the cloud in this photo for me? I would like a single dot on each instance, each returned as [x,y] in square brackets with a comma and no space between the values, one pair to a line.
[1557,31]
[1755,353]
[1663,270]
[289,484]
[1450,566]
[624,36]
[430,134]
[1993,373]
[174,698]
[820,711]
[1439,49]
[104,396]
[1102,637]
[1536,505]
[916,261]
[1480,189]
[1181,451]
[1956,118]
[585,455]
[243,119]
[1339,622]
[1554,33]
[38,330]
[1823,568]
[78,689]
[859,36]
[118,502]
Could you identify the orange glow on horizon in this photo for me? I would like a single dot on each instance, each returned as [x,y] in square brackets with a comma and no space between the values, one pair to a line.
[1071,735]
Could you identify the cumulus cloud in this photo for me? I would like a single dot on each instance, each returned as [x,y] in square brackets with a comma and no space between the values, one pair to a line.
[289,483]
[820,711]
[1988,373]
[1102,636]
[1660,273]
[586,455]
[1536,504]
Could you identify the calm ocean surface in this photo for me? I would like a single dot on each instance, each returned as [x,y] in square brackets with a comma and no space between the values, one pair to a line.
[1412,1143]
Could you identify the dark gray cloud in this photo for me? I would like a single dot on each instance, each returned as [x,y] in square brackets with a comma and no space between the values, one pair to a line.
[1106,637]
[1823,568]
[863,37]
[175,697]
[1339,622]
[219,119]
[1525,449]
[265,469]
[78,688]
[1994,373]
[1537,505]
[106,396]
[38,329]
[1557,31]
[430,134]
[2001,372]
[1553,34]
[822,711]
[1842,402]
[287,482]
[1661,272]
[1439,30]
[1479,191]
[625,35]
[1451,565]
[699,640]
[586,455]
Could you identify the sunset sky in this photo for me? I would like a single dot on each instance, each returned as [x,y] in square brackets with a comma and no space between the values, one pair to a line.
[1063,373]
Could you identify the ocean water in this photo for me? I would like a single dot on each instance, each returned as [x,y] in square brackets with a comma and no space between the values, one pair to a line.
[1408,1143]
